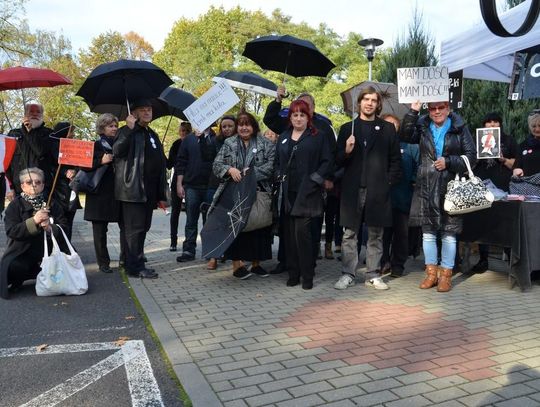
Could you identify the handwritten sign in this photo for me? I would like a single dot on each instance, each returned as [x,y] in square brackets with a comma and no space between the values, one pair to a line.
[211,106]
[488,141]
[426,84]
[76,152]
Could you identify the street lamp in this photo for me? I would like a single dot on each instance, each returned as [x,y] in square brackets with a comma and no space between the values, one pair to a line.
[369,45]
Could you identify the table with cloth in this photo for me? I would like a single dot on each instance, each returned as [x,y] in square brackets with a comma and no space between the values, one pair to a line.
[514,224]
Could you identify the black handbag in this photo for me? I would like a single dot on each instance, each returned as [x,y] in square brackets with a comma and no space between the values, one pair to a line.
[88,181]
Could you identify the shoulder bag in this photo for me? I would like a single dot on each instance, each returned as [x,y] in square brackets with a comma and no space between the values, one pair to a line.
[88,181]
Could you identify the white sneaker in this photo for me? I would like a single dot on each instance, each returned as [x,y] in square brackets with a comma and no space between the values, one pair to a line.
[346,280]
[377,283]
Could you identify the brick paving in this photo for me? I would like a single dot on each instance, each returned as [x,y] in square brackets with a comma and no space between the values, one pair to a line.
[257,342]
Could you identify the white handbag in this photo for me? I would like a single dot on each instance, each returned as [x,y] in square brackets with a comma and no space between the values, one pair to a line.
[467,195]
[60,273]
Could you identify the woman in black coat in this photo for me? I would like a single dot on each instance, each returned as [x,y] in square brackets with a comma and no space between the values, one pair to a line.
[25,220]
[303,161]
[528,159]
[443,137]
[101,208]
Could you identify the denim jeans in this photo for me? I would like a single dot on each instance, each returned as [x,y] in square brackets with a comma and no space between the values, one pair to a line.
[448,252]
[194,198]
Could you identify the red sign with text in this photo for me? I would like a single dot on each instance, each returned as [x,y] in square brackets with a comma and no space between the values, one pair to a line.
[76,152]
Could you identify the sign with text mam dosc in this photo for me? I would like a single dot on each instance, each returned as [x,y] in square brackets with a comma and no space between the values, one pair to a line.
[425,84]
[211,106]
[76,152]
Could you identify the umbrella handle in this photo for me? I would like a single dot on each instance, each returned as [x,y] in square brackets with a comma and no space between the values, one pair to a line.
[166,130]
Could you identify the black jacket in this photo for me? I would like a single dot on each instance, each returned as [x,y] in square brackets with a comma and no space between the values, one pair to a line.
[195,160]
[312,159]
[102,206]
[128,151]
[383,169]
[33,150]
[427,209]
[24,236]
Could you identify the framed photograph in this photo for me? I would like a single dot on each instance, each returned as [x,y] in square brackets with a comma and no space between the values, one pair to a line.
[488,143]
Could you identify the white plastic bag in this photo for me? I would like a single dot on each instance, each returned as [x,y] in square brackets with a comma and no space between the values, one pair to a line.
[60,273]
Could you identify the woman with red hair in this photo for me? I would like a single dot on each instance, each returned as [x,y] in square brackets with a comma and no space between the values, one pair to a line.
[303,162]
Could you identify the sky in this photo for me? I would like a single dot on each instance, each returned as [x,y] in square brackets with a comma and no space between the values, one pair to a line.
[82,20]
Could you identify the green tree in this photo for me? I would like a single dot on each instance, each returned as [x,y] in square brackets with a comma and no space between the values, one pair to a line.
[108,47]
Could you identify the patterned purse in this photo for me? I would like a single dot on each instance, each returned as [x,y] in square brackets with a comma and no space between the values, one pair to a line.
[467,195]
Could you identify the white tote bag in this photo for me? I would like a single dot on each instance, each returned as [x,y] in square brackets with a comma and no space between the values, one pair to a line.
[60,273]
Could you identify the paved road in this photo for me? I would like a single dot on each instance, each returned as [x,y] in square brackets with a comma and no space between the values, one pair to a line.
[99,318]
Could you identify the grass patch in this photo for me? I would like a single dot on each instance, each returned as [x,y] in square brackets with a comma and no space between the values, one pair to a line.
[168,365]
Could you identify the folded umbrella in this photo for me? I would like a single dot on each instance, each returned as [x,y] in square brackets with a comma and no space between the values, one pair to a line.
[21,77]
[248,81]
[288,54]
[123,81]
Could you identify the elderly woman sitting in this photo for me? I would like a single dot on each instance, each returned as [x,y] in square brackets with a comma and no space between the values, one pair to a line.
[25,219]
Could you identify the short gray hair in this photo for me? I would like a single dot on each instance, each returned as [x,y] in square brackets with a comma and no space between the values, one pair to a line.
[27,172]
[307,95]
[104,120]
[28,105]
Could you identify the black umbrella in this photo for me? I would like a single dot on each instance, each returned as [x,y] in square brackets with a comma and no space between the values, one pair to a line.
[229,216]
[123,81]
[160,108]
[288,54]
[178,101]
[248,81]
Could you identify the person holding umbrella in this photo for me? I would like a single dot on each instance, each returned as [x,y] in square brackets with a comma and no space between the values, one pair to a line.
[140,183]
[33,147]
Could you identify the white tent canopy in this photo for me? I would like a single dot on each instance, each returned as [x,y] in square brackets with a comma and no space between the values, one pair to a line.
[483,55]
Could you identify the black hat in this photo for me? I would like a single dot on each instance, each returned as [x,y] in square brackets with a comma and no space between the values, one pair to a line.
[61,129]
[140,103]
[492,117]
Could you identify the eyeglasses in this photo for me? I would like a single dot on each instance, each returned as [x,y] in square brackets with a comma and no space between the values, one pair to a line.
[35,182]
[437,108]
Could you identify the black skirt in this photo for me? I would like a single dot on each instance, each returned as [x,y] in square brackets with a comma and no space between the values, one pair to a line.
[251,246]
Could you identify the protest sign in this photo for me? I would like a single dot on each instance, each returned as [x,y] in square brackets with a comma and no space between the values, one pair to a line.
[211,106]
[456,90]
[76,152]
[424,84]
[488,140]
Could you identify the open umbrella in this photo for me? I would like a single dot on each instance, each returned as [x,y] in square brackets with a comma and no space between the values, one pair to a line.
[288,54]
[21,77]
[160,108]
[388,91]
[178,101]
[229,217]
[123,81]
[248,81]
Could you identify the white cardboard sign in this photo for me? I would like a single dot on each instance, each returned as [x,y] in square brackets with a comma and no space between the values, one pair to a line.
[425,84]
[211,106]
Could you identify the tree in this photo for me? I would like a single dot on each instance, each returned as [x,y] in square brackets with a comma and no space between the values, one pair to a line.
[108,47]
[11,45]
[138,47]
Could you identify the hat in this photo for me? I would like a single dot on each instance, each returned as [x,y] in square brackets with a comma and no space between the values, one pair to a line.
[140,103]
[492,117]
[61,129]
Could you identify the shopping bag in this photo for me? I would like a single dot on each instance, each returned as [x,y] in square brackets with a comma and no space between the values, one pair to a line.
[60,273]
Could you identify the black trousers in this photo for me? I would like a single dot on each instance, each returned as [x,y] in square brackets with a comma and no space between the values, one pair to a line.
[136,219]
[396,241]
[23,268]
[176,207]
[299,247]
[331,219]
[100,230]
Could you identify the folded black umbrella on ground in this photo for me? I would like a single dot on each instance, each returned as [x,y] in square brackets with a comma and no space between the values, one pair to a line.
[229,216]
[288,54]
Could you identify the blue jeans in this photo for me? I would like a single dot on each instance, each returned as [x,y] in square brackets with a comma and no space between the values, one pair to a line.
[448,252]
[194,198]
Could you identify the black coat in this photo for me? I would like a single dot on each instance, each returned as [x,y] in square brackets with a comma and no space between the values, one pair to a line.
[383,169]
[128,161]
[33,150]
[24,236]
[427,209]
[312,159]
[102,206]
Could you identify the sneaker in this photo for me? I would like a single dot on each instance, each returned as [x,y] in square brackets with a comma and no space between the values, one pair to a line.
[242,273]
[185,257]
[345,281]
[377,283]
[259,271]
[105,269]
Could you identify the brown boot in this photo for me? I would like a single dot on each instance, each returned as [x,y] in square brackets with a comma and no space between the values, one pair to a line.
[328,254]
[445,280]
[431,276]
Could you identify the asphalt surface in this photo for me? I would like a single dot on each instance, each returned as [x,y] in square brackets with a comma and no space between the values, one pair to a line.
[104,315]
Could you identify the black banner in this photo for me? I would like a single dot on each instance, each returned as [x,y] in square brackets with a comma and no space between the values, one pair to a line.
[455,92]
[525,82]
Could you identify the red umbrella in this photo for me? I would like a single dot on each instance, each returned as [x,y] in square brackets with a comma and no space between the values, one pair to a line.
[20,77]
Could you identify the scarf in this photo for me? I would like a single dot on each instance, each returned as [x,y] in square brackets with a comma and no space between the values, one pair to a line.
[438,135]
[107,142]
[36,201]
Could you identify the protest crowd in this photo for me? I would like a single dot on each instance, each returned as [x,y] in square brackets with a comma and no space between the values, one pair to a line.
[380,181]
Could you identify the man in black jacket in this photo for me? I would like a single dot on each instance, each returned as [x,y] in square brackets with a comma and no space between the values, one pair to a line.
[33,148]
[139,164]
